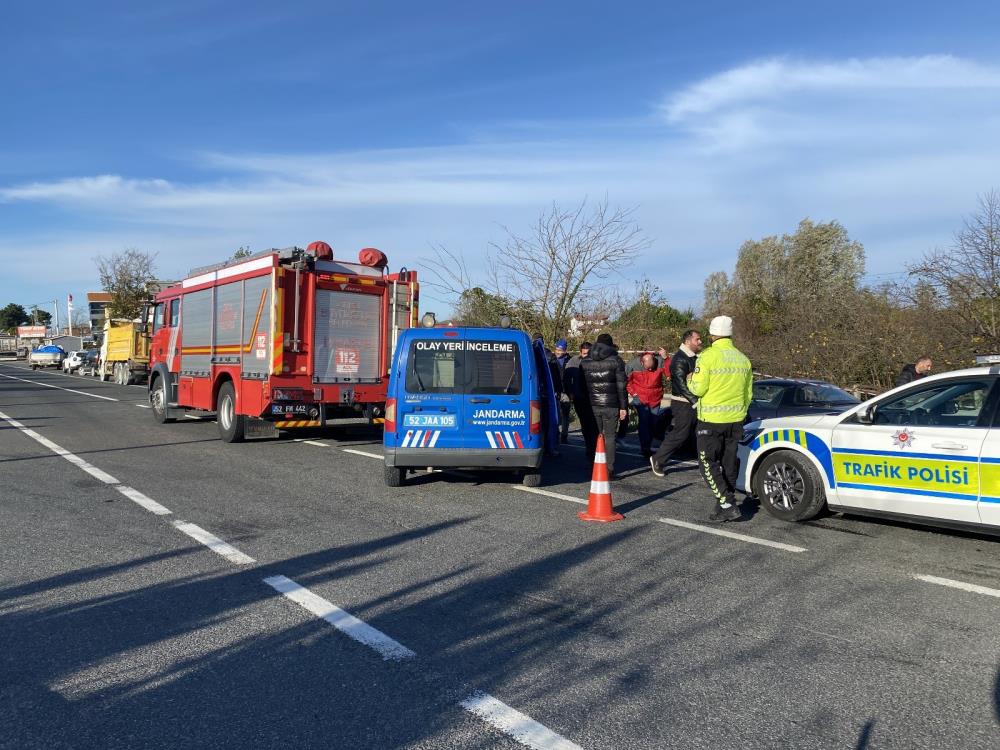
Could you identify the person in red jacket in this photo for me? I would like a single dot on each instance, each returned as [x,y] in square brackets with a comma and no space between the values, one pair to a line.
[645,390]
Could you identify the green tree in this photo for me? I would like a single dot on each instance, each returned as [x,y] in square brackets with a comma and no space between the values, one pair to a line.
[40,317]
[12,316]
[126,276]
[242,252]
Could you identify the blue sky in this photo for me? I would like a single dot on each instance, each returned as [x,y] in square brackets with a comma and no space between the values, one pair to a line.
[196,127]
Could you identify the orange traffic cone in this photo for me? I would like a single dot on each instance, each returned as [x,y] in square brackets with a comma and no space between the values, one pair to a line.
[599,506]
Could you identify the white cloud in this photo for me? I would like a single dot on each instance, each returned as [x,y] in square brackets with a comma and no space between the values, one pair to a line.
[894,148]
[772,79]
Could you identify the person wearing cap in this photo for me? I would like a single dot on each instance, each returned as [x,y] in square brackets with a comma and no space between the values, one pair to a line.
[604,375]
[722,382]
[576,389]
[565,398]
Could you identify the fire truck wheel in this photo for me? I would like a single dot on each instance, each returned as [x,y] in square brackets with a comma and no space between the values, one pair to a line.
[531,478]
[232,426]
[158,401]
[394,476]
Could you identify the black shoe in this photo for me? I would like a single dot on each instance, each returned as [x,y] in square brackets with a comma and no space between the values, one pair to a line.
[721,515]
[655,467]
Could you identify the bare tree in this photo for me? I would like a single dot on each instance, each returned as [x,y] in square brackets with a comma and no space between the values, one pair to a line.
[126,276]
[567,256]
[546,275]
[967,274]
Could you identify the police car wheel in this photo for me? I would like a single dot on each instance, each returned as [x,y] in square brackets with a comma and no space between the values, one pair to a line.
[788,486]
[394,476]
[531,478]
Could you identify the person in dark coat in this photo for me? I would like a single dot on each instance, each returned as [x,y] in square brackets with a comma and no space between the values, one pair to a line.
[604,374]
[565,398]
[575,387]
[919,369]
[682,402]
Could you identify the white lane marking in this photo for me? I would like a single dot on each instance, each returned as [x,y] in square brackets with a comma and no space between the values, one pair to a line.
[132,494]
[58,387]
[316,442]
[343,621]
[144,406]
[379,456]
[213,542]
[975,589]
[522,728]
[733,535]
[549,493]
[144,500]
[60,451]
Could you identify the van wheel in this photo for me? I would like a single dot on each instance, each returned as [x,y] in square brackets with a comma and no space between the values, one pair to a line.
[394,476]
[531,478]
[158,401]
[232,426]
[789,486]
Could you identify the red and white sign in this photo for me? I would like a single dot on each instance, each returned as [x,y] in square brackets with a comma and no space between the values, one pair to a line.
[348,361]
[261,352]
[31,332]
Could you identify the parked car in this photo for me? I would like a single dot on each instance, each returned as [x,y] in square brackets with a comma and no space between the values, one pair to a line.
[91,358]
[928,451]
[73,361]
[46,356]
[790,397]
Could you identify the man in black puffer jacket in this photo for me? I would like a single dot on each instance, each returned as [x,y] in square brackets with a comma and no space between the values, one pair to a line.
[604,374]
[682,402]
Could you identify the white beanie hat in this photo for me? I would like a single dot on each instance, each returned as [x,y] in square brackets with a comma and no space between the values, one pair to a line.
[721,326]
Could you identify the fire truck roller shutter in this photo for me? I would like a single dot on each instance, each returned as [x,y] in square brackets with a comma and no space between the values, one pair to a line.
[228,322]
[196,354]
[257,327]
[348,335]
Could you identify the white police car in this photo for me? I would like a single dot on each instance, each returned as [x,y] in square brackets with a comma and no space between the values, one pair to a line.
[928,452]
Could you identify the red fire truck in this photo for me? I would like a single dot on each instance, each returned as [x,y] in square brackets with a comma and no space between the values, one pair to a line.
[282,339]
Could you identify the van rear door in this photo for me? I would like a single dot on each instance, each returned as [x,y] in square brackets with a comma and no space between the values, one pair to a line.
[429,406]
[498,395]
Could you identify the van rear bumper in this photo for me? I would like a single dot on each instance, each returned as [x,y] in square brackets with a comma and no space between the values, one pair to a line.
[530,458]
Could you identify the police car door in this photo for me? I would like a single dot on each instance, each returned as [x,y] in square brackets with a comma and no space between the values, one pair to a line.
[989,470]
[430,411]
[916,452]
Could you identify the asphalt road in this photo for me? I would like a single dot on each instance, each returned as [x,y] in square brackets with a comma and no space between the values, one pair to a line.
[326,610]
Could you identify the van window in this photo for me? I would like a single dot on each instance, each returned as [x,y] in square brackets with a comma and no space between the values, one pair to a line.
[432,368]
[480,367]
[493,367]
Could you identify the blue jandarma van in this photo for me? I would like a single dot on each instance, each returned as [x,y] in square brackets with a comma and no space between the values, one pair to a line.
[463,397]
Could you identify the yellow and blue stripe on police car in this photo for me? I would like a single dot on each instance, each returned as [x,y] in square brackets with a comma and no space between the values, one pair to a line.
[812,444]
[962,478]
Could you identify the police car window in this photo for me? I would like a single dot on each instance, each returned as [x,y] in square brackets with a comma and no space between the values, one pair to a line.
[947,404]
[434,367]
[492,368]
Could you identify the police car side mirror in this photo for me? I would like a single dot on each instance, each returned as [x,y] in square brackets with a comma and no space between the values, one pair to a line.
[867,415]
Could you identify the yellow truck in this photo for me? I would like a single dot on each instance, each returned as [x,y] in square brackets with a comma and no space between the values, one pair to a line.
[124,352]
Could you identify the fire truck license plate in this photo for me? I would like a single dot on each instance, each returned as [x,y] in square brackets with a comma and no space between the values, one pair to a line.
[298,409]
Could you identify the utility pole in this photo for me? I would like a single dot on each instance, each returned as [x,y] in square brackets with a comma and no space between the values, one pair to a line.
[55,306]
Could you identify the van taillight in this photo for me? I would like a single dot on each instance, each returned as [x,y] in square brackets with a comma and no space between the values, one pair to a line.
[536,418]
[390,415]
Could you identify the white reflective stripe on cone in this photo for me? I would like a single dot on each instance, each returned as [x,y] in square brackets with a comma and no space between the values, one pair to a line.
[600,458]
[600,488]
